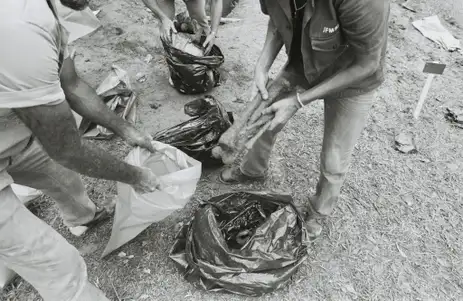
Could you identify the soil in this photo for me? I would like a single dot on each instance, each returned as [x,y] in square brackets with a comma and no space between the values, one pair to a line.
[396,233]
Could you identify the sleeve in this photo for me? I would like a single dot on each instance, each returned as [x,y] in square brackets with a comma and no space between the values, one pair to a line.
[364,23]
[29,66]
[263,7]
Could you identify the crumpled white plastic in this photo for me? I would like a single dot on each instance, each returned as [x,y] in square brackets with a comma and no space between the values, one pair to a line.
[432,28]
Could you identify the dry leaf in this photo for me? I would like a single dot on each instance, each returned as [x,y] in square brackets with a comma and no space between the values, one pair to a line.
[401,252]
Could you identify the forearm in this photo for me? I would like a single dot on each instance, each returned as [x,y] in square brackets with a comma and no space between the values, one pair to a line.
[55,128]
[94,162]
[83,100]
[272,46]
[338,82]
[216,15]
[154,7]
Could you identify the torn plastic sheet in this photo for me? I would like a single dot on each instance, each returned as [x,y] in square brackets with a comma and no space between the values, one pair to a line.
[77,23]
[432,28]
[247,243]
[135,212]
[116,92]
[199,135]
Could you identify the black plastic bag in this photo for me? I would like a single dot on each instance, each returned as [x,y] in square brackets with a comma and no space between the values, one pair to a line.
[198,136]
[247,243]
[192,74]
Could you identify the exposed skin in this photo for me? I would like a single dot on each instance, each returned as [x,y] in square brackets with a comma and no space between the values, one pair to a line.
[282,110]
[363,66]
[54,126]
[227,149]
[75,4]
[83,100]
[165,12]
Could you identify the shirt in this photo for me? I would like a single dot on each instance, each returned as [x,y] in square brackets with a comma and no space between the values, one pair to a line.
[33,48]
[333,33]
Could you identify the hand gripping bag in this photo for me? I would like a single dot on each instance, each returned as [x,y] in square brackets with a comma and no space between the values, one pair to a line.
[135,212]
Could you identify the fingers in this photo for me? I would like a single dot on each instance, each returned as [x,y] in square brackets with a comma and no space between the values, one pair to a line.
[173,29]
[259,123]
[270,110]
[262,90]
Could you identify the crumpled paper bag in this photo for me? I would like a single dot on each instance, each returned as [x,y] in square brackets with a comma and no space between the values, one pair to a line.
[432,28]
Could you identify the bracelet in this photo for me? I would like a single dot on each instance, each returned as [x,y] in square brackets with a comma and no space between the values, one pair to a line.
[299,100]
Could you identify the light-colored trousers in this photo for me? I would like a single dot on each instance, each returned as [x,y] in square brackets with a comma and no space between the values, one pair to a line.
[345,118]
[28,245]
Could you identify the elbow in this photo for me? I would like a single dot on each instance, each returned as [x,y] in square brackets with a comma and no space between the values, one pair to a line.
[368,66]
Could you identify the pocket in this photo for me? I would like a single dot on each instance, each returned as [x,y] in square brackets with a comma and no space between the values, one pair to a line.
[326,50]
[327,44]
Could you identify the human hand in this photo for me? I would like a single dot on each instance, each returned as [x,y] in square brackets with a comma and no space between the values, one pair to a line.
[148,182]
[167,28]
[135,137]
[209,42]
[282,112]
[260,83]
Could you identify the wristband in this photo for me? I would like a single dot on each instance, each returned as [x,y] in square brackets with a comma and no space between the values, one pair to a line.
[299,100]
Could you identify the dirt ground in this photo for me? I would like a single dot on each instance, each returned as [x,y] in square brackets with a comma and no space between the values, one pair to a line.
[396,234]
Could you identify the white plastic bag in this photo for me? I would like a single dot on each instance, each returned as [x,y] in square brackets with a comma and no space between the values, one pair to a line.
[77,23]
[25,194]
[432,28]
[134,212]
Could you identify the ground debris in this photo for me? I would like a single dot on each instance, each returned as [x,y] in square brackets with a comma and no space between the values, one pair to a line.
[455,116]
[404,143]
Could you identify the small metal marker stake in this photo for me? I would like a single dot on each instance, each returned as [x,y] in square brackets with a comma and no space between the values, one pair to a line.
[432,69]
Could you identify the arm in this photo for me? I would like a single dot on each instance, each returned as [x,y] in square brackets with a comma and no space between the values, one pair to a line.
[364,23]
[272,46]
[84,101]
[216,15]
[154,7]
[167,25]
[216,8]
[36,96]
[55,128]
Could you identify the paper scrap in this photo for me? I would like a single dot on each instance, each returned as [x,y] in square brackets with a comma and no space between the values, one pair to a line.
[77,23]
[405,143]
[432,28]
